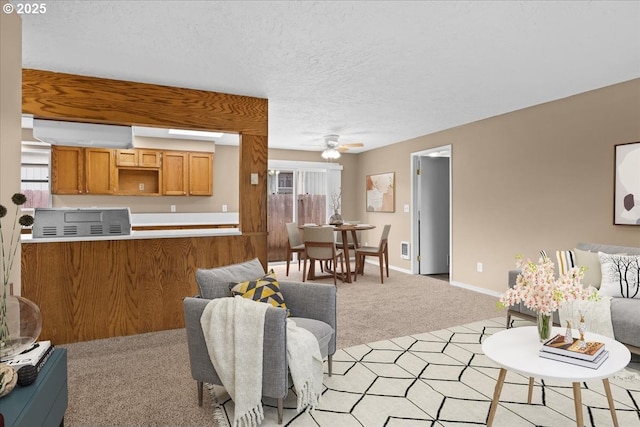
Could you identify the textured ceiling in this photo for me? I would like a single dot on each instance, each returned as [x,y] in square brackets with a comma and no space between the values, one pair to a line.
[375,72]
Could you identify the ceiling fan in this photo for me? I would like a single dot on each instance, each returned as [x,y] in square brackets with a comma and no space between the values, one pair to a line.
[334,148]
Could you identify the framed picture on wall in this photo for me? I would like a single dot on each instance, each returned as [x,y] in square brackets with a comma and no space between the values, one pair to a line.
[626,208]
[380,191]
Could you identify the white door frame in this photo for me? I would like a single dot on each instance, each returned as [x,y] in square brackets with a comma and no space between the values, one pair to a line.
[415,157]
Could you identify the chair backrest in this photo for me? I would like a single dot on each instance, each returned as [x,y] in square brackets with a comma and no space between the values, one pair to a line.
[294,234]
[384,236]
[319,242]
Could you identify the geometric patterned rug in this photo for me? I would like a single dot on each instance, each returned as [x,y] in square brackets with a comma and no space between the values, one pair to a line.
[441,378]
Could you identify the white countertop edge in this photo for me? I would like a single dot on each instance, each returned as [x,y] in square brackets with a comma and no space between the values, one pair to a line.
[141,234]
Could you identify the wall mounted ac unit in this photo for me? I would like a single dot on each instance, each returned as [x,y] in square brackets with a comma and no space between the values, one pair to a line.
[82,134]
[404,250]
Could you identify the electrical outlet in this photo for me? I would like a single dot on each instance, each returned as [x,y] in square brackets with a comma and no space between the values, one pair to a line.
[173,208]
[479,267]
[141,186]
[224,208]
[254,179]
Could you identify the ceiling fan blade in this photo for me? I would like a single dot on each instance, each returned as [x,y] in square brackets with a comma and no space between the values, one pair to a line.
[353,145]
[342,148]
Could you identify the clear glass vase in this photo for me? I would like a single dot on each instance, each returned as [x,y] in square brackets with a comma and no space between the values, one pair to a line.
[544,326]
[20,325]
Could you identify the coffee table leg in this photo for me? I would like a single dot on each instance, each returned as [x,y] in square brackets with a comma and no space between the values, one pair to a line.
[530,390]
[577,401]
[496,396]
[607,390]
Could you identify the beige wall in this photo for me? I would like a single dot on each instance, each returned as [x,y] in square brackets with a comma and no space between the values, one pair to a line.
[10,122]
[537,178]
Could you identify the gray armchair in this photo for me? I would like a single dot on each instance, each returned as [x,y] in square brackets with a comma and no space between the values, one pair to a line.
[312,307]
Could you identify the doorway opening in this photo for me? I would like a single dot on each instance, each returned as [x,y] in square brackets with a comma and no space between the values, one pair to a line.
[431,227]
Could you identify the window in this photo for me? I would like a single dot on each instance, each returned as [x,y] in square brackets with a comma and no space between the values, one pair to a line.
[297,192]
[34,174]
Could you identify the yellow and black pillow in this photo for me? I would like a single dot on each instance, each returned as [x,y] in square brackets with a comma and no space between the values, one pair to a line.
[265,289]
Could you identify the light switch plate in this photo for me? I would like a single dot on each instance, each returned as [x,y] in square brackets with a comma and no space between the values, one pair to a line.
[406,208]
[254,179]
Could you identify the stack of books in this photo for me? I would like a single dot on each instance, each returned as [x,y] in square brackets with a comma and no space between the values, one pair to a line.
[36,355]
[592,355]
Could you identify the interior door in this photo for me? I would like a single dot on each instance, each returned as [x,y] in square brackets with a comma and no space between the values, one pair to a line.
[433,215]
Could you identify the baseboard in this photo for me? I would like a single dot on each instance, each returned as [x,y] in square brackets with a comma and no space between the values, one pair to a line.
[476,289]
[391,267]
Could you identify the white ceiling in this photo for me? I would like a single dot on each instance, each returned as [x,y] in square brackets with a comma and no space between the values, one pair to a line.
[376,72]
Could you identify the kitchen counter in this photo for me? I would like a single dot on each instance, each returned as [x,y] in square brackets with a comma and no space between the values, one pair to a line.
[162,226]
[139,234]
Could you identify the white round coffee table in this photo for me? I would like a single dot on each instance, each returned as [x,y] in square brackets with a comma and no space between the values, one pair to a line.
[516,350]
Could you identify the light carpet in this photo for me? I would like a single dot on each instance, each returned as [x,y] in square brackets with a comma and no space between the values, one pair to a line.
[441,378]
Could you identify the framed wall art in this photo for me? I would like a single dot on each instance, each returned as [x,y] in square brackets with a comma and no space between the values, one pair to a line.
[626,208]
[380,192]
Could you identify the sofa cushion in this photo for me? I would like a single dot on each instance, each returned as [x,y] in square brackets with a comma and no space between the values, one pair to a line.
[591,262]
[264,289]
[620,275]
[321,330]
[214,282]
[625,317]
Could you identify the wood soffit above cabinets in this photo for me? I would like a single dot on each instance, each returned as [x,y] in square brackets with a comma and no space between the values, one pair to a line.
[62,96]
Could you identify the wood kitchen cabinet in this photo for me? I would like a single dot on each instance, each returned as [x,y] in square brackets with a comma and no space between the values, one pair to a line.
[144,172]
[138,158]
[175,174]
[67,170]
[200,174]
[100,170]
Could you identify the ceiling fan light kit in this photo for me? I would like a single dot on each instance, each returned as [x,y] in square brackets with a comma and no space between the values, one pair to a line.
[334,148]
[330,153]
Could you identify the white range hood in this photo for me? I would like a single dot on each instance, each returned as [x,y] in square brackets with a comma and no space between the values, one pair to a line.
[82,134]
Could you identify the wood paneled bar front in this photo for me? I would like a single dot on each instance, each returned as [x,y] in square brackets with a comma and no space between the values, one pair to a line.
[97,289]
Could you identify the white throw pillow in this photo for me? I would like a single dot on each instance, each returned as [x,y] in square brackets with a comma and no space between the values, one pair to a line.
[620,275]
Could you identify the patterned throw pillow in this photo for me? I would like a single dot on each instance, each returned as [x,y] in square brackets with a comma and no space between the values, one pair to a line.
[620,274]
[566,261]
[266,289]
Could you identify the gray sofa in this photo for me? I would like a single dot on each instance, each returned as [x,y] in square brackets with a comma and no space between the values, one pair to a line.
[625,312]
[312,307]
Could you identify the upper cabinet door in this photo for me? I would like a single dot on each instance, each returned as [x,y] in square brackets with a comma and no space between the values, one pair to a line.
[100,167]
[67,170]
[174,173]
[201,174]
[149,158]
[126,158]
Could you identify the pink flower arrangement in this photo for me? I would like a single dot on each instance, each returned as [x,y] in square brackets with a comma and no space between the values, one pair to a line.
[539,290]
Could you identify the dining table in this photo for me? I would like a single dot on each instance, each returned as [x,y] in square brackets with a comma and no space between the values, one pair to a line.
[344,229]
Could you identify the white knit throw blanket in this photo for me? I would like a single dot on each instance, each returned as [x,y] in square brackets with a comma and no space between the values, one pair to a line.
[305,365]
[233,330]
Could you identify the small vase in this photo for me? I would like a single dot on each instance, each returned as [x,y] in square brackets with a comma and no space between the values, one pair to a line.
[544,326]
[336,219]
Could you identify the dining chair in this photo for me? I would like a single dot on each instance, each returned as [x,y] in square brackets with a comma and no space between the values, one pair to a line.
[320,246]
[296,245]
[381,251]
